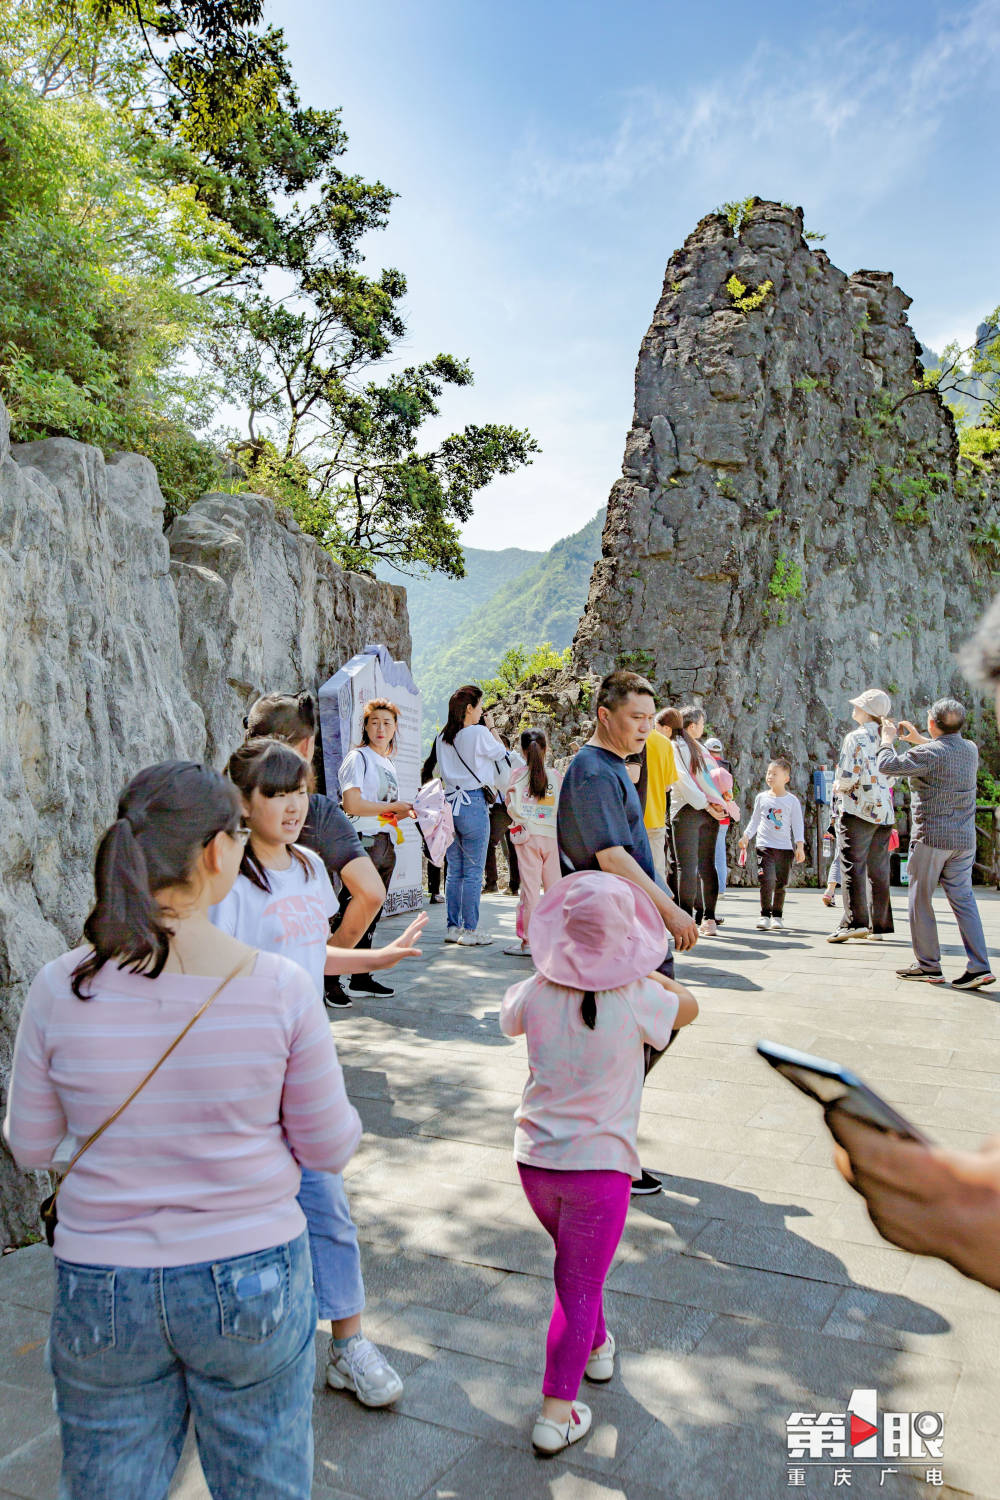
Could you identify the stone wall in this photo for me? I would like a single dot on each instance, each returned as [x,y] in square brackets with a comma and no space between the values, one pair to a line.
[788,529]
[122,648]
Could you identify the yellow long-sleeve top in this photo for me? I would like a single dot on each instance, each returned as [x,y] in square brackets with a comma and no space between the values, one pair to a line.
[661,772]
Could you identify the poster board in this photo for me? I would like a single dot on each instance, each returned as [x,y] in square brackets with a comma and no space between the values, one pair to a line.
[374,673]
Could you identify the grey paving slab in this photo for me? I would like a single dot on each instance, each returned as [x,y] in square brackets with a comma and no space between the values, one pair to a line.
[754,1286]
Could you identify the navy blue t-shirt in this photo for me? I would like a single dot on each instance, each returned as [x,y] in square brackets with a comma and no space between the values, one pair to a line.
[599,808]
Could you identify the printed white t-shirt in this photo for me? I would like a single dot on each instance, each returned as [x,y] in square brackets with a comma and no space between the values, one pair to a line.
[291,919]
[580,1108]
[375,778]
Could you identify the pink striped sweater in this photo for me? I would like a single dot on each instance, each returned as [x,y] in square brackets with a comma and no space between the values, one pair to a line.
[204,1164]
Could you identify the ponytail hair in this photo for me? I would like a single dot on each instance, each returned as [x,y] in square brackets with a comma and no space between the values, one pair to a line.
[283,716]
[691,715]
[534,745]
[167,814]
[460,700]
[588,1009]
[274,769]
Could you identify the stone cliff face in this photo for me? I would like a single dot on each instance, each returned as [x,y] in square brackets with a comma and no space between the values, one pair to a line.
[792,523]
[122,648]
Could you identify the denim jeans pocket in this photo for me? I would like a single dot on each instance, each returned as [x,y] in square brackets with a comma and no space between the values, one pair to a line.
[254,1293]
[83,1315]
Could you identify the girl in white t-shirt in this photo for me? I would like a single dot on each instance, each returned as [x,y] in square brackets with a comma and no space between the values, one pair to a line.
[282,902]
[533,802]
[369,793]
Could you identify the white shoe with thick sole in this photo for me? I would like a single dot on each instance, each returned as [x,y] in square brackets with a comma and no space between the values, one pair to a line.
[475,939]
[763,924]
[601,1364]
[550,1437]
[363,1369]
[453,935]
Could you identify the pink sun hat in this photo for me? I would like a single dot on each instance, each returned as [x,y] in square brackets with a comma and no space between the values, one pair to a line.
[594,931]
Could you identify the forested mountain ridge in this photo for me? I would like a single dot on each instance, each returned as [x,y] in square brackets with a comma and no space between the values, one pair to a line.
[541,601]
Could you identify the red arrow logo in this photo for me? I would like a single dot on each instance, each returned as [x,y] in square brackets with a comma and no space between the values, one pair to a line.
[860,1429]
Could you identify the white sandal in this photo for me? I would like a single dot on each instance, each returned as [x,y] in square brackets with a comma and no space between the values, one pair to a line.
[601,1364]
[550,1437]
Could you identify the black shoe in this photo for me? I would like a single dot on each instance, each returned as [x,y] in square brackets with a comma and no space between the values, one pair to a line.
[720,921]
[646,1185]
[928,976]
[365,984]
[971,981]
[491,890]
[335,997]
[437,901]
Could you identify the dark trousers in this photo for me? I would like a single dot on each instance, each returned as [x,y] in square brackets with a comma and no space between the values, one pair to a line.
[435,874]
[864,863]
[773,866]
[695,833]
[382,853]
[500,822]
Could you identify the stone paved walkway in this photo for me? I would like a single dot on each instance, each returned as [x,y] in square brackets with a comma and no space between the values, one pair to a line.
[753,1287]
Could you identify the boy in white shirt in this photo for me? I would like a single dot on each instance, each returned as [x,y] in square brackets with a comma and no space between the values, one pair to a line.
[779,827]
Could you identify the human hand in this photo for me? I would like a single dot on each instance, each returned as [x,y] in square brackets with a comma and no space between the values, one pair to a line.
[401,809]
[743,842]
[401,947]
[910,732]
[488,719]
[717,810]
[682,928]
[800,854]
[924,1198]
[889,731]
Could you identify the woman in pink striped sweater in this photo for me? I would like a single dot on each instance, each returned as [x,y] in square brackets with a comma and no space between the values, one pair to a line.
[183,1283]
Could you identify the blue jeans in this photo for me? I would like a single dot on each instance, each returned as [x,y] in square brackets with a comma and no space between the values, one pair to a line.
[721,862]
[333,1245]
[135,1352]
[466,862]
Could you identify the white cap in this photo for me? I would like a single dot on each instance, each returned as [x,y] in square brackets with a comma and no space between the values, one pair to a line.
[874,702]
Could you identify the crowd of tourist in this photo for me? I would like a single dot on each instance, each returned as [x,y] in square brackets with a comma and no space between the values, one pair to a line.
[196,1246]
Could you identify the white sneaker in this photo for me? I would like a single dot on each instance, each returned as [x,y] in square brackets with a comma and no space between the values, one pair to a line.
[552,1437]
[475,939]
[601,1364]
[363,1369]
[875,937]
[841,934]
[517,950]
[453,935]
[777,925]
[763,923]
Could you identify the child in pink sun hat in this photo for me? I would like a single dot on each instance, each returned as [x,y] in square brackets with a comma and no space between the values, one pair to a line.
[588,1013]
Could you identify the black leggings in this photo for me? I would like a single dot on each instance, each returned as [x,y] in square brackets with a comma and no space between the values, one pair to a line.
[773,866]
[695,833]
[382,854]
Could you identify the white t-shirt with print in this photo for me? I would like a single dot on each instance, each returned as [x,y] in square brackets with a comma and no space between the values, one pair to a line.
[375,778]
[291,919]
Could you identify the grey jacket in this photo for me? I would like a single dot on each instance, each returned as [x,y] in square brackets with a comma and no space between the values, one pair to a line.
[942,777]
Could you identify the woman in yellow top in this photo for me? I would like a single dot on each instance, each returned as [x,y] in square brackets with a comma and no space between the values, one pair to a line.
[661,773]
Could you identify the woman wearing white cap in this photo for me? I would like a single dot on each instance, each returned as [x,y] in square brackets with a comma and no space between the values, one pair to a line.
[865,821]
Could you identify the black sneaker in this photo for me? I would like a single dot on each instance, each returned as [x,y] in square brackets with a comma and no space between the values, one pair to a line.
[366,984]
[335,997]
[971,981]
[646,1185]
[927,976]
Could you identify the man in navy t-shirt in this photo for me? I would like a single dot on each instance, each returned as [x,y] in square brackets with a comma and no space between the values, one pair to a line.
[600,822]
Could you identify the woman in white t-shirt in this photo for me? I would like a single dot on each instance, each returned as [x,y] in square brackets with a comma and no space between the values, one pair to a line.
[469,758]
[369,792]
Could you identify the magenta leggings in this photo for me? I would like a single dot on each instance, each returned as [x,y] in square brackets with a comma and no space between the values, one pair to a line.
[584,1212]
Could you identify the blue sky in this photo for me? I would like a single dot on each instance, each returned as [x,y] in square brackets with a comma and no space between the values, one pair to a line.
[550,156]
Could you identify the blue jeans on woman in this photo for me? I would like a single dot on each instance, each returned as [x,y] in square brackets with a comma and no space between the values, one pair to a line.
[466,861]
[333,1245]
[136,1352]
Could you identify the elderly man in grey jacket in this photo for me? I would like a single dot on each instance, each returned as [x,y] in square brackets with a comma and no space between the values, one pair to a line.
[942,774]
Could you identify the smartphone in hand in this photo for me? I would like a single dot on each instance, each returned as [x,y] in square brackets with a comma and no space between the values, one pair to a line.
[829,1083]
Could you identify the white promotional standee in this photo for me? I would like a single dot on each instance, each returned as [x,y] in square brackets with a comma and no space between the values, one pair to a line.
[374,673]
